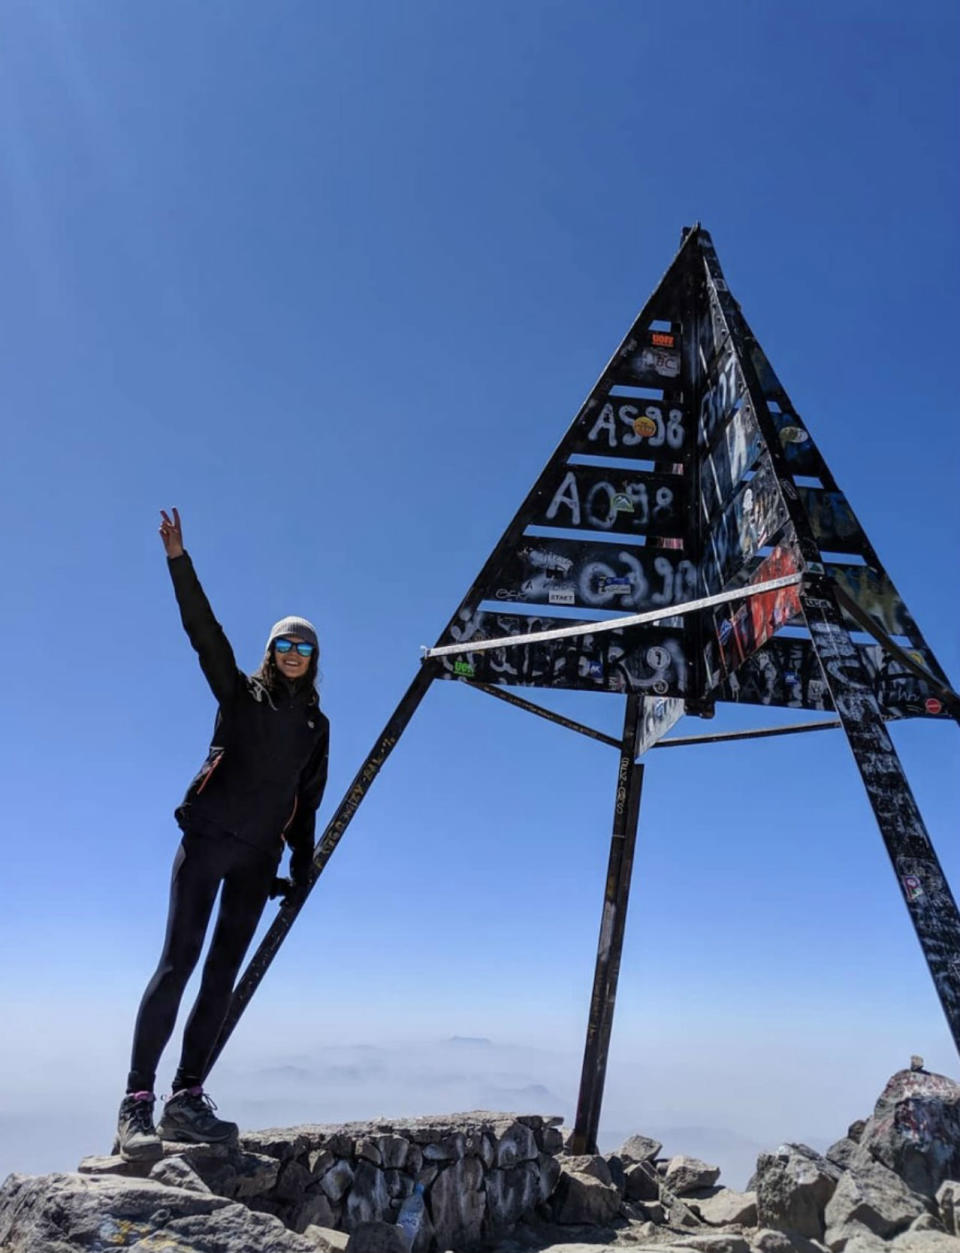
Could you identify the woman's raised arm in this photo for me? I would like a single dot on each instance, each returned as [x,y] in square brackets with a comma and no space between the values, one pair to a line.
[203,630]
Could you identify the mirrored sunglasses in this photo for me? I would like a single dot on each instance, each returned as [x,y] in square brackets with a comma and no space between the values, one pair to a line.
[284,646]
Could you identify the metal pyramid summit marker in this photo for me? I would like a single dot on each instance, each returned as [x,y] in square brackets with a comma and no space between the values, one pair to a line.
[686,544]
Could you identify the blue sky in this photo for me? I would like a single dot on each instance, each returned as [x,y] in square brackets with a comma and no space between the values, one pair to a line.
[333,279]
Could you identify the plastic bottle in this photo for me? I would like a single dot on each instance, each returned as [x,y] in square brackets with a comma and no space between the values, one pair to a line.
[411,1215]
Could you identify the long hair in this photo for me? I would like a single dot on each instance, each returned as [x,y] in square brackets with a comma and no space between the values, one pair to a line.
[270,676]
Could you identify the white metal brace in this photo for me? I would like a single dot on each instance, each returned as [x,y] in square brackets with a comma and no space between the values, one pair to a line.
[613,624]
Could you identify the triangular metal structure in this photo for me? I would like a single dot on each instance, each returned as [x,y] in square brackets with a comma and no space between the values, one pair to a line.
[686,544]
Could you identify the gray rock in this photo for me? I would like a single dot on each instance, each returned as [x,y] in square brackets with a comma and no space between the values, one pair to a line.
[368,1199]
[516,1144]
[766,1240]
[176,1172]
[722,1206]
[293,1180]
[239,1176]
[549,1175]
[713,1242]
[488,1151]
[639,1149]
[393,1151]
[793,1186]
[551,1140]
[639,1186]
[511,1194]
[617,1172]
[841,1152]
[313,1210]
[337,1180]
[922,1242]
[457,1202]
[369,1149]
[588,1164]
[948,1206]
[855,1130]
[584,1199]
[915,1129]
[687,1174]
[113,1164]
[319,1161]
[60,1213]
[279,1142]
[372,1236]
[326,1239]
[869,1200]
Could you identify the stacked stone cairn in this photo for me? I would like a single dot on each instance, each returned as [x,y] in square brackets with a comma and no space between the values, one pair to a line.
[506,1182]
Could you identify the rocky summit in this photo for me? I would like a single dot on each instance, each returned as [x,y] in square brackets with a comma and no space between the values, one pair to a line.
[506,1183]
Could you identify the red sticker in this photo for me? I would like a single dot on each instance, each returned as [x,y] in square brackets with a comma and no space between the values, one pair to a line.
[932,705]
[661,340]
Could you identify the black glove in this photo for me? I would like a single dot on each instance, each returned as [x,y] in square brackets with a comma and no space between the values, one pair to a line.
[301,863]
[281,887]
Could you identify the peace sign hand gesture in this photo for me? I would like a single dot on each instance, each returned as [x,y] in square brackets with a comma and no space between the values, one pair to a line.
[171,534]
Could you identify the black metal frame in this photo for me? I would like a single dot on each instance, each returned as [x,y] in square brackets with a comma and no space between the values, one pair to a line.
[697,294]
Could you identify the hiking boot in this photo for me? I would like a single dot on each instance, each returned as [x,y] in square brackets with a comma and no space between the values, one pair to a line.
[137,1141]
[188,1118]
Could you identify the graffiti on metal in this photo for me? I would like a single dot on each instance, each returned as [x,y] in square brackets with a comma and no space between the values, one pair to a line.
[785,672]
[748,523]
[628,426]
[654,362]
[734,451]
[876,596]
[724,395]
[834,525]
[741,627]
[658,715]
[546,571]
[623,502]
[643,659]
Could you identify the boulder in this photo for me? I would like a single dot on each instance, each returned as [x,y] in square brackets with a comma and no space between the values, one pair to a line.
[511,1194]
[60,1213]
[793,1186]
[722,1206]
[640,1184]
[588,1164]
[176,1172]
[313,1210]
[948,1206]
[923,1242]
[687,1174]
[337,1180]
[869,1200]
[458,1202]
[766,1240]
[915,1129]
[327,1240]
[516,1144]
[639,1149]
[841,1152]
[368,1199]
[582,1199]
[713,1242]
[376,1237]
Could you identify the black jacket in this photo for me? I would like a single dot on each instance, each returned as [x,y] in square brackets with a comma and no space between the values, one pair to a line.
[267,766]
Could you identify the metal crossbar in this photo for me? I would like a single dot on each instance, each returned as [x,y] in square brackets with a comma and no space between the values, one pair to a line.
[613,624]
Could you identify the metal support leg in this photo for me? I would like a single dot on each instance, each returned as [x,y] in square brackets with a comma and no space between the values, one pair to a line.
[260,962]
[920,877]
[610,947]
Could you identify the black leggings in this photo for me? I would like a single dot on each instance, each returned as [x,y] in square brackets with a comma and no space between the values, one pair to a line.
[201,863]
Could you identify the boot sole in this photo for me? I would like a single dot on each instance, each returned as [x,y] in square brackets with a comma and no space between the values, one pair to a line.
[184,1135]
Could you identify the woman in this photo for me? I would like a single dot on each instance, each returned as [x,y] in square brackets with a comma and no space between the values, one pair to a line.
[259,786]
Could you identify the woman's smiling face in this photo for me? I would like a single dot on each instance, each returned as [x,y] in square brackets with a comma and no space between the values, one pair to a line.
[290,662]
